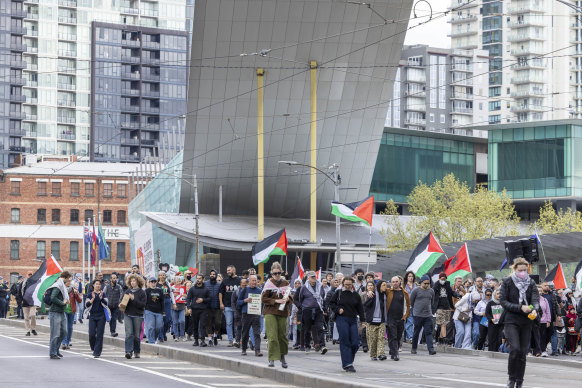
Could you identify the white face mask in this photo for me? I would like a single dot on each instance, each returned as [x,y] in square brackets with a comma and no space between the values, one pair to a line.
[442,282]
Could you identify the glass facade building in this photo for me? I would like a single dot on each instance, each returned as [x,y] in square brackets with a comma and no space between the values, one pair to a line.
[139,84]
[405,158]
[537,160]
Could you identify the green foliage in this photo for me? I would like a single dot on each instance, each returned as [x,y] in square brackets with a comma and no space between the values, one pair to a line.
[561,221]
[452,213]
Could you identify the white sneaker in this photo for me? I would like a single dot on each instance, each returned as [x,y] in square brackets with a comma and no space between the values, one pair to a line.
[544,354]
[184,339]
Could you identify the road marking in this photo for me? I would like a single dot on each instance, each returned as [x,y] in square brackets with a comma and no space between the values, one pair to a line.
[466,381]
[122,364]
[212,376]
[22,356]
[158,362]
[252,385]
[183,368]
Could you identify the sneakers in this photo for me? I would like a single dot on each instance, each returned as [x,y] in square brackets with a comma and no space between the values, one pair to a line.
[544,354]
[215,341]
[365,349]
[114,334]
[28,334]
[373,358]
[176,339]
[230,344]
[243,353]
[258,353]
[184,339]
[136,355]
[55,357]
[271,364]
[323,350]
[382,357]
[413,351]
[432,352]
[350,369]
[128,356]
[34,332]
[196,343]
[60,355]
[236,344]
[64,347]
[210,342]
[395,358]
[189,337]
[80,321]
[203,344]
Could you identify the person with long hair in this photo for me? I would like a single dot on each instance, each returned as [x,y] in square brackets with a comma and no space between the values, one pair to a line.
[410,279]
[96,303]
[179,309]
[277,293]
[374,300]
[134,314]
[520,300]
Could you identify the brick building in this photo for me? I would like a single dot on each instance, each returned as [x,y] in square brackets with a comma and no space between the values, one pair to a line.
[43,206]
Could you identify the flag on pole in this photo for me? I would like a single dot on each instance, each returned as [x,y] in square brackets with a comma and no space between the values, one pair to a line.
[298,272]
[93,246]
[458,265]
[44,277]
[578,276]
[103,248]
[535,235]
[425,255]
[503,264]
[355,211]
[557,276]
[273,245]
[86,234]
[318,273]
[435,272]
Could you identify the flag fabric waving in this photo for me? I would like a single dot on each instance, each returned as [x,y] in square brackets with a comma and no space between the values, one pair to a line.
[298,273]
[355,211]
[557,276]
[93,247]
[273,245]
[103,248]
[503,264]
[578,276]
[48,273]
[425,255]
[458,265]
[86,235]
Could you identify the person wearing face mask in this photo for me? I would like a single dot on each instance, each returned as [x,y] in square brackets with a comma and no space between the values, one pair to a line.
[518,293]
[444,304]
[495,327]
[422,300]
[214,314]
[197,302]
[360,283]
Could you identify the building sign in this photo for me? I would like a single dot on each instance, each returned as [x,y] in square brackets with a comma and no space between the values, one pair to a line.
[144,250]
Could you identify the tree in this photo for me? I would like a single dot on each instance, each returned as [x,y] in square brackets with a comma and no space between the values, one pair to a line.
[561,221]
[452,213]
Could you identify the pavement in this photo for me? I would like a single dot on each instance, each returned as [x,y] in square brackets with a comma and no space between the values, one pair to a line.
[449,368]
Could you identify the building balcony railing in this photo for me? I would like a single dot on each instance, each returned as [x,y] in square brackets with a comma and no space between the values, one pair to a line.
[66,69]
[150,93]
[32,16]
[130,92]
[31,100]
[462,18]
[17,64]
[28,83]
[527,50]
[65,86]
[68,3]
[151,61]
[33,33]
[129,158]
[31,67]
[125,141]
[462,67]
[16,149]
[528,93]
[66,119]
[150,44]
[17,115]
[66,103]
[67,20]
[67,53]
[148,143]
[462,81]
[461,110]
[130,75]
[18,13]
[129,108]
[17,81]
[526,22]
[527,80]
[526,108]
[66,136]
[16,132]
[30,117]
[416,107]
[150,109]
[151,127]
[151,77]
[30,134]
[17,46]
[129,10]
[150,12]
[69,37]
[415,121]
[129,124]
[523,7]
[130,43]
[17,98]
[463,32]
[462,96]
[31,50]
[523,37]
[130,59]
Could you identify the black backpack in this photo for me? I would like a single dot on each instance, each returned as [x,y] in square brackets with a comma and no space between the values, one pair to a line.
[46,298]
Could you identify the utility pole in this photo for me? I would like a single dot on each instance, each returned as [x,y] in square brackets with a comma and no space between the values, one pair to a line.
[337,181]
[196,216]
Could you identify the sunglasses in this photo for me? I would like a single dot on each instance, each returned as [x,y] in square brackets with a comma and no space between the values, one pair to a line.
[276,273]
[488,294]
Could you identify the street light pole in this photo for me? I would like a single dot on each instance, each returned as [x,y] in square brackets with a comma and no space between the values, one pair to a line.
[197,217]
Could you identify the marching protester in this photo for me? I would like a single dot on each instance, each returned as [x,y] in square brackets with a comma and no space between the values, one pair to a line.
[29,311]
[250,319]
[178,309]
[347,306]
[545,327]
[228,285]
[477,295]
[422,300]
[214,314]
[96,303]
[70,312]
[376,317]
[134,315]
[398,308]
[237,321]
[311,300]
[114,292]
[59,298]
[154,311]
[277,301]
[463,317]
[410,279]
[483,321]
[169,302]
[444,305]
[197,302]
[493,313]
[520,300]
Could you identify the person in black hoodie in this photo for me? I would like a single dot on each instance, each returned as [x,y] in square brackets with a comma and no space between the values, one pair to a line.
[376,317]
[444,304]
[347,305]
[96,302]
[237,312]
[517,293]
[197,302]
[495,328]
[154,311]
[134,315]
[214,314]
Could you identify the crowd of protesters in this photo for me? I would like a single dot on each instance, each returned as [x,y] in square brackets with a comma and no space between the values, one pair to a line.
[357,311]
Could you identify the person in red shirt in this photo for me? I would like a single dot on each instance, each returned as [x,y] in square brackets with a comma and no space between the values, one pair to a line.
[179,309]
[572,334]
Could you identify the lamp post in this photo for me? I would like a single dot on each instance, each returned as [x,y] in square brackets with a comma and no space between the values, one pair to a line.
[337,180]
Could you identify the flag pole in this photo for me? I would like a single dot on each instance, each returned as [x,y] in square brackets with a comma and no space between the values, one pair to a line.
[93,242]
[83,245]
[541,246]
[99,231]
[369,250]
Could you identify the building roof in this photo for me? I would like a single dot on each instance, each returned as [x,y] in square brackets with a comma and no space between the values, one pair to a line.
[75,169]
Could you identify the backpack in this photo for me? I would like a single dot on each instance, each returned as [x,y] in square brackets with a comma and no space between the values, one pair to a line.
[46,298]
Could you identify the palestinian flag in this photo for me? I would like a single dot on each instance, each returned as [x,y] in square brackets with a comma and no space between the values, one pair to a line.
[578,276]
[298,273]
[458,265]
[41,280]
[425,255]
[356,211]
[557,276]
[274,245]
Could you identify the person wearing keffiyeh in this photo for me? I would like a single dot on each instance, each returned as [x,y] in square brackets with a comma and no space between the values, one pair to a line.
[311,300]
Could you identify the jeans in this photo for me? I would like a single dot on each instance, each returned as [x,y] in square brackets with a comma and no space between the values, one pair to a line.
[409,326]
[167,317]
[425,323]
[70,319]
[475,335]
[347,328]
[395,328]
[463,334]
[154,324]
[229,316]
[554,340]
[79,314]
[251,321]
[132,333]
[96,330]
[58,325]
[113,321]
[178,322]
[518,337]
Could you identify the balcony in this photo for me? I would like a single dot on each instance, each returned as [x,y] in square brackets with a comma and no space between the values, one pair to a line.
[66,136]
[150,109]
[129,10]
[67,37]
[67,53]
[130,75]
[31,67]
[148,143]
[150,13]
[150,127]
[462,96]
[415,121]
[462,32]
[129,108]
[527,108]
[150,93]
[32,33]
[68,3]
[31,50]
[526,6]
[462,81]
[30,134]
[17,81]
[528,93]
[65,86]
[18,13]
[462,67]
[67,20]
[125,141]
[130,59]
[156,77]
[150,44]
[66,69]
[462,18]
[129,158]
[524,37]
[527,80]
[17,30]
[150,61]
[32,16]
[31,101]
[16,132]
[30,117]
[536,50]
[526,22]
[415,107]
[17,115]
[17,46]
[530,64]
[17,64]
[461,110]
[29,83]
[130,124]
[16,149]
[66,120]
[131,43]
[66,103]
[130,92]
[17,98]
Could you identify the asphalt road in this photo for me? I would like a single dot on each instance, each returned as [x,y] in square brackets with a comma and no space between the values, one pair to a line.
[25,362]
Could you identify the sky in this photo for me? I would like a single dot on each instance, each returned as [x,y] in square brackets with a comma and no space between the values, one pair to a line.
[434,33]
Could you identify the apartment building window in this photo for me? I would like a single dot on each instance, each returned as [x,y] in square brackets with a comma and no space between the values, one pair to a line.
[41,188]
[494,105]
[89,189]
[120,252]
[74,216]
[41,216]
[56,189]
[495,119]
[495,92]
[431,117]
[56,249]
[88,215]
[56,216]
[15,215]
[41,250]
[442,118]
[121,217]
[107,217]
[14,187]
[14,250]
[108,257]
[75,189]
[74,251]
[121,190]
[108,189]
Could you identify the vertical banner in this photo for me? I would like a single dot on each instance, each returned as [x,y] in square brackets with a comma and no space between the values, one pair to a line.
[143,242]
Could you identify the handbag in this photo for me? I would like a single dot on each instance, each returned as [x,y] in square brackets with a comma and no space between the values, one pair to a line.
[107,312]
[463,317]
[484,321]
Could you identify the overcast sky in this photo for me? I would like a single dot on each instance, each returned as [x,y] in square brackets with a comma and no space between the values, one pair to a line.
[434,33]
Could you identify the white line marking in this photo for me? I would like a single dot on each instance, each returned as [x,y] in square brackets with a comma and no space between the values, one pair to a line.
[213,376]
[184,368]
[466,381]
[252,385]
[22,356]
[122,364]
[158,362]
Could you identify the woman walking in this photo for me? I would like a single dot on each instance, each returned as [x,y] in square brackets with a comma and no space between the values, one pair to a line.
[154,311]
[519,298]
[411,284]
[347,305]
[277,293]
[70,312]
[134,315]
[179,309]
[376,317]
[96,303]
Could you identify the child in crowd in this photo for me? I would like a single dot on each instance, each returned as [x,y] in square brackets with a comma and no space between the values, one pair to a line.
[572,334]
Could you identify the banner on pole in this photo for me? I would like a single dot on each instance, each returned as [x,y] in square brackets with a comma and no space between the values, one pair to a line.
[143,242]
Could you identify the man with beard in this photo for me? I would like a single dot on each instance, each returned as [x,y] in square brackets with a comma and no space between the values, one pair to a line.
[114,292]
[228,285]
[214,314]
[197,302]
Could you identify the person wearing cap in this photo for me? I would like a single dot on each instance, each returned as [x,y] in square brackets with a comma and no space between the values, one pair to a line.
[15,290]
[311,298]
[422,299]
[154,311]
[28,310]
[444,304]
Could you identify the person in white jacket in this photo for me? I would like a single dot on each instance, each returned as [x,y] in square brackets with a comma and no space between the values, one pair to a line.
[483,322]
[463,329]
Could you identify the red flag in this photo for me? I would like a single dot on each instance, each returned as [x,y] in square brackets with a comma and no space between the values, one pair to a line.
[557,276]
[458,265]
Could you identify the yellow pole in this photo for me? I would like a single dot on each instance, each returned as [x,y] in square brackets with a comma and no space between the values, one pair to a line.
[313,66]
[260,163]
